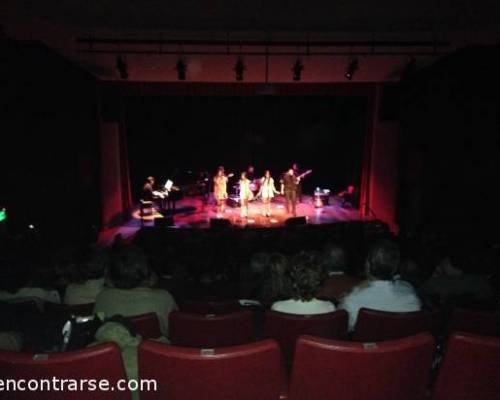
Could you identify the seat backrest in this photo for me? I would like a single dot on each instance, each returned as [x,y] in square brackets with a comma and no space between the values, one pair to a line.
[375,326]
[286,328]
[470,369]
[210,306]
[392,370]
[246,372]
[210,330]
[147,325]
[93,363]
[479,322]
[67,309]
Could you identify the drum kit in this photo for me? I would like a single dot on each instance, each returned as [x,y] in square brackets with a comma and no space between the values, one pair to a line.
[254,187]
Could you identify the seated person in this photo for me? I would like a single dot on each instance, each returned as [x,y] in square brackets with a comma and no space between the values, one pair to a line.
[453,285]
[381,291]
[306,276]
[25,280]
[131,293]
[339,281]
[89,279]
[10,341]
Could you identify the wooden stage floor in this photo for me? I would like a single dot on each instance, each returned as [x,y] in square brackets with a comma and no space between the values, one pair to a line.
[194,213]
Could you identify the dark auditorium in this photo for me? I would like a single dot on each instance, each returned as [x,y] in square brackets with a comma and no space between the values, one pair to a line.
[249,200]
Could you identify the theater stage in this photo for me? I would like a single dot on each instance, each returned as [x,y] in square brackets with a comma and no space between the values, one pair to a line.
[195,213]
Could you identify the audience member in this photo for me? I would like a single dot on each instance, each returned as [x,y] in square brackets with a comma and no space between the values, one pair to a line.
[130,293]
[381,291]
[89,282]
[276,285]
[340,277]
[306,276]
[451,284]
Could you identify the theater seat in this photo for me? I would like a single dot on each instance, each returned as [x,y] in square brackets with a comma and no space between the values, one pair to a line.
[391,370]
[197,330]
[375,326]
[477,322]
[470,369]
[147,325]
[286,328]
[248,372]
[98,362]
[210,306]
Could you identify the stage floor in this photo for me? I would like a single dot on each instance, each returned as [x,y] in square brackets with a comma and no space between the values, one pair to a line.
[194,213]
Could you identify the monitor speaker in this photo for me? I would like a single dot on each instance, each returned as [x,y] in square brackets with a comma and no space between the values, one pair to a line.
[296,221]
[219,223]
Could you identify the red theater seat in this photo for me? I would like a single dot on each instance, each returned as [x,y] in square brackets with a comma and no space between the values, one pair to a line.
[98,362]
[210,306]
[248,372]
[376,326]
[146,325]
[478,322]
[470,369]
[286,328]
[196,330]
[392,370]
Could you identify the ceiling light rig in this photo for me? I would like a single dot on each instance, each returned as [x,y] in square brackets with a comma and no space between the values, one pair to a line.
[239,69]
[351,69]
[297,69]
[181,68]
[121,67]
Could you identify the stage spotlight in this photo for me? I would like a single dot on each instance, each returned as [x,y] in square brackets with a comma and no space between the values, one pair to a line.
[181,68]
[297,69]
[122,67]
[351,69]
[239,68]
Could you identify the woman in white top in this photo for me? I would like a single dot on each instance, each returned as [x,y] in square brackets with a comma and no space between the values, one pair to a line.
[245,194]
[306,277]
[267,191]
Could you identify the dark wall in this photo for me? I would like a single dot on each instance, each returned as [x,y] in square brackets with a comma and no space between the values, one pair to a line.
[49,141]
[451,147]
[323,133]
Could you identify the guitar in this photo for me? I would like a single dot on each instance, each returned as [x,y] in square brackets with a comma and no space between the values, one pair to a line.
[304,174]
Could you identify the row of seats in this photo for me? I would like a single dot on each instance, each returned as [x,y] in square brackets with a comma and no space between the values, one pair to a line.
[322,369]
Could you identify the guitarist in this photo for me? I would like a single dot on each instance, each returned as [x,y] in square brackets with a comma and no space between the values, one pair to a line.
[289,186]
[296,172]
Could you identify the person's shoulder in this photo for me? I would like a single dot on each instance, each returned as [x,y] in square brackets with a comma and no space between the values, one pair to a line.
[403,286]
[281,305]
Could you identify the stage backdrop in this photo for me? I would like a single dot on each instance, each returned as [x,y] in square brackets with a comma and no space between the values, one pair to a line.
[198,133]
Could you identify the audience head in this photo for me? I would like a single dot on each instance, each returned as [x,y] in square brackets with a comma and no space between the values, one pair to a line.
[382,261]
[259,263]
[279,282]
[334,258]
[306,275]
[91,263]
[128,268]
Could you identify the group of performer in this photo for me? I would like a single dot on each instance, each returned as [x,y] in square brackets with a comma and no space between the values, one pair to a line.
[248,186]
[289,188]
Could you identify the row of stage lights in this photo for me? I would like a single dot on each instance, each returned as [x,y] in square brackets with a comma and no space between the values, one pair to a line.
[239,69]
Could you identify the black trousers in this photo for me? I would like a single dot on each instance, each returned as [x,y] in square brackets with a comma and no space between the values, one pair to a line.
[291,201]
